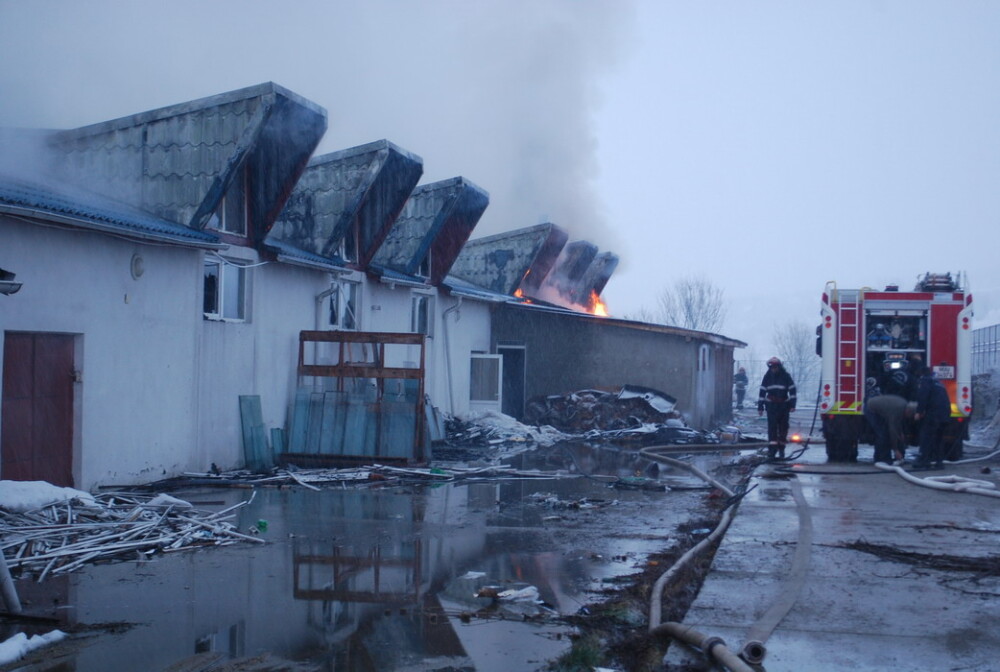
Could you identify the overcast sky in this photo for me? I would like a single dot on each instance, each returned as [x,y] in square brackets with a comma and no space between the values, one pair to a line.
[766,146]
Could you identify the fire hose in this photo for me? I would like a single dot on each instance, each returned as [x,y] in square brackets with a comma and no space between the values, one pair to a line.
[950,483]
[713,647]
[753,650]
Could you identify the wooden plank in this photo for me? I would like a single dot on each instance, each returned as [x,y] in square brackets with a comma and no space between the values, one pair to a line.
[365,370]
[374,337]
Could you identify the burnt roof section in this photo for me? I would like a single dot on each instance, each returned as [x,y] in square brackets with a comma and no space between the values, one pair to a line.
[178,161]
[566,276]
[365,185]
[510,261]
[598,273]
[438,218]
[77,207]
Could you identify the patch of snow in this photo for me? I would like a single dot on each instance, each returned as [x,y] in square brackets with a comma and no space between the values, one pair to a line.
[508,427]
[20,645]
[164,499]
[21,496]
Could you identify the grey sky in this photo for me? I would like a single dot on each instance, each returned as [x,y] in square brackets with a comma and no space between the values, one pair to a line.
[769,146]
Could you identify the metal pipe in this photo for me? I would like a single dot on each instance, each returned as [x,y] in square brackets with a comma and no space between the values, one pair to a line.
[10,599]
[447,352]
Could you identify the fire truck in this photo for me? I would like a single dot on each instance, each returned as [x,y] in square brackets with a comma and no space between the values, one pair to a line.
[880,337]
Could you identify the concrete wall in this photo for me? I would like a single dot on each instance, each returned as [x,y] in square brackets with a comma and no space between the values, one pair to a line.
[565,353]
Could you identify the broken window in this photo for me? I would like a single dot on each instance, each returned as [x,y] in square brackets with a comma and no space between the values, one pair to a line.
[344,306]
[425,266]
[225,290]
[420,312]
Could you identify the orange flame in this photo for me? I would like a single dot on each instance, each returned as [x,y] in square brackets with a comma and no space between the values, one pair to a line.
[597,307]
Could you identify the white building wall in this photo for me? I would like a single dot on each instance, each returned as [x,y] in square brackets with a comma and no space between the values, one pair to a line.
[449,345]
[137,343]
[463,326]
[258,356]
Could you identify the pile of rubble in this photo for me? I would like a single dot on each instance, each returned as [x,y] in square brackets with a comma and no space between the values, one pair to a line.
[587,410]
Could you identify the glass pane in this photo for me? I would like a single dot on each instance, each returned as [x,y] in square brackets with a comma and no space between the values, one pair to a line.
[233,292]
[484,379]
[211,300]
[350,310]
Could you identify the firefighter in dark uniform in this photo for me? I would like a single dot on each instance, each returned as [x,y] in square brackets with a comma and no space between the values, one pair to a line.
[777,397]
[933,412]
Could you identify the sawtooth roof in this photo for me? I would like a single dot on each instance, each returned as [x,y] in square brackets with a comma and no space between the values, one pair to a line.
[367,184]
[177,162]
[509,261]
[438,219]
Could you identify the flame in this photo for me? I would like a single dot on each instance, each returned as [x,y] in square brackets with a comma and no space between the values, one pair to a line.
[597,307]
[518,293]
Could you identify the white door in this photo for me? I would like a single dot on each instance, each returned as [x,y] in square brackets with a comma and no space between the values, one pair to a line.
[485,392]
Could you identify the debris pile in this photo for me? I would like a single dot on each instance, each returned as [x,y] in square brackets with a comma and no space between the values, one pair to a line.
[66,535]
[587,410]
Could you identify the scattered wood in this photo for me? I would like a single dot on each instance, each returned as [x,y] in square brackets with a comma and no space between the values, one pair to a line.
[63,537]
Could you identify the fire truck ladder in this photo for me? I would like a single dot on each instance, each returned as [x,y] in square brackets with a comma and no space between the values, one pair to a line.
[850,342]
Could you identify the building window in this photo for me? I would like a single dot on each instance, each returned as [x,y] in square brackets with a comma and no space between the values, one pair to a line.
[420,314]
[343,304]
[484,378]
[231,215]
[348,248]
[425,266]
[225,290]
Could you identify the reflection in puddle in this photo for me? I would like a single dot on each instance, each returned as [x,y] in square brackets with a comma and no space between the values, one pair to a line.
[467,575]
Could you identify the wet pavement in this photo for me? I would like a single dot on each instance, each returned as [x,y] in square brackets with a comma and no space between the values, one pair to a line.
[463,575]
[894,576]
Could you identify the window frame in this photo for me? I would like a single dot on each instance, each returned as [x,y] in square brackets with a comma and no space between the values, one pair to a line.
[226,270]
[347,294]
[422,305]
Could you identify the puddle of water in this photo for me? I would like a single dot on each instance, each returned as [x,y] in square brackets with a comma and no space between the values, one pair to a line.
[363,579]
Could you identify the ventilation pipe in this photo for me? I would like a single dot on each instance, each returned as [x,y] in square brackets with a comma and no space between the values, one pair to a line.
[447,351]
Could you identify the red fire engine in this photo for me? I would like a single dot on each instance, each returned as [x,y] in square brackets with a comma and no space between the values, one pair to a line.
[869,336]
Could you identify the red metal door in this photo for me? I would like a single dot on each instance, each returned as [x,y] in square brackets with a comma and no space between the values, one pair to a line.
[36,427]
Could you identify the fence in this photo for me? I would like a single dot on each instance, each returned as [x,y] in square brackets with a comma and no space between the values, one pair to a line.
[985,349]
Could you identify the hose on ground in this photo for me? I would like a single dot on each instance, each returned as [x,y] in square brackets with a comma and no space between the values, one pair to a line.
[753,650]
[713,647]
[951,483]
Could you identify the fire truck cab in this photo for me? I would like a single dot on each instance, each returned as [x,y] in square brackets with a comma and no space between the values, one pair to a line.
[868,336]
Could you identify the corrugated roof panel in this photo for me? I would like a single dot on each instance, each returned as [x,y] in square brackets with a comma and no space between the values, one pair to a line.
[76,207]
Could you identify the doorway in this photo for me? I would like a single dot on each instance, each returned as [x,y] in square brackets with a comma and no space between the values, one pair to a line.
[513,380]
[36,418]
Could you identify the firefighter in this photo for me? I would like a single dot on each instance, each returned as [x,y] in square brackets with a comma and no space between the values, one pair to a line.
[885,414]
[933,412]
[777,397]
[740,382]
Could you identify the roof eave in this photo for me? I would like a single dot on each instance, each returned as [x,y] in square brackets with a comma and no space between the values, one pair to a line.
[146,236]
